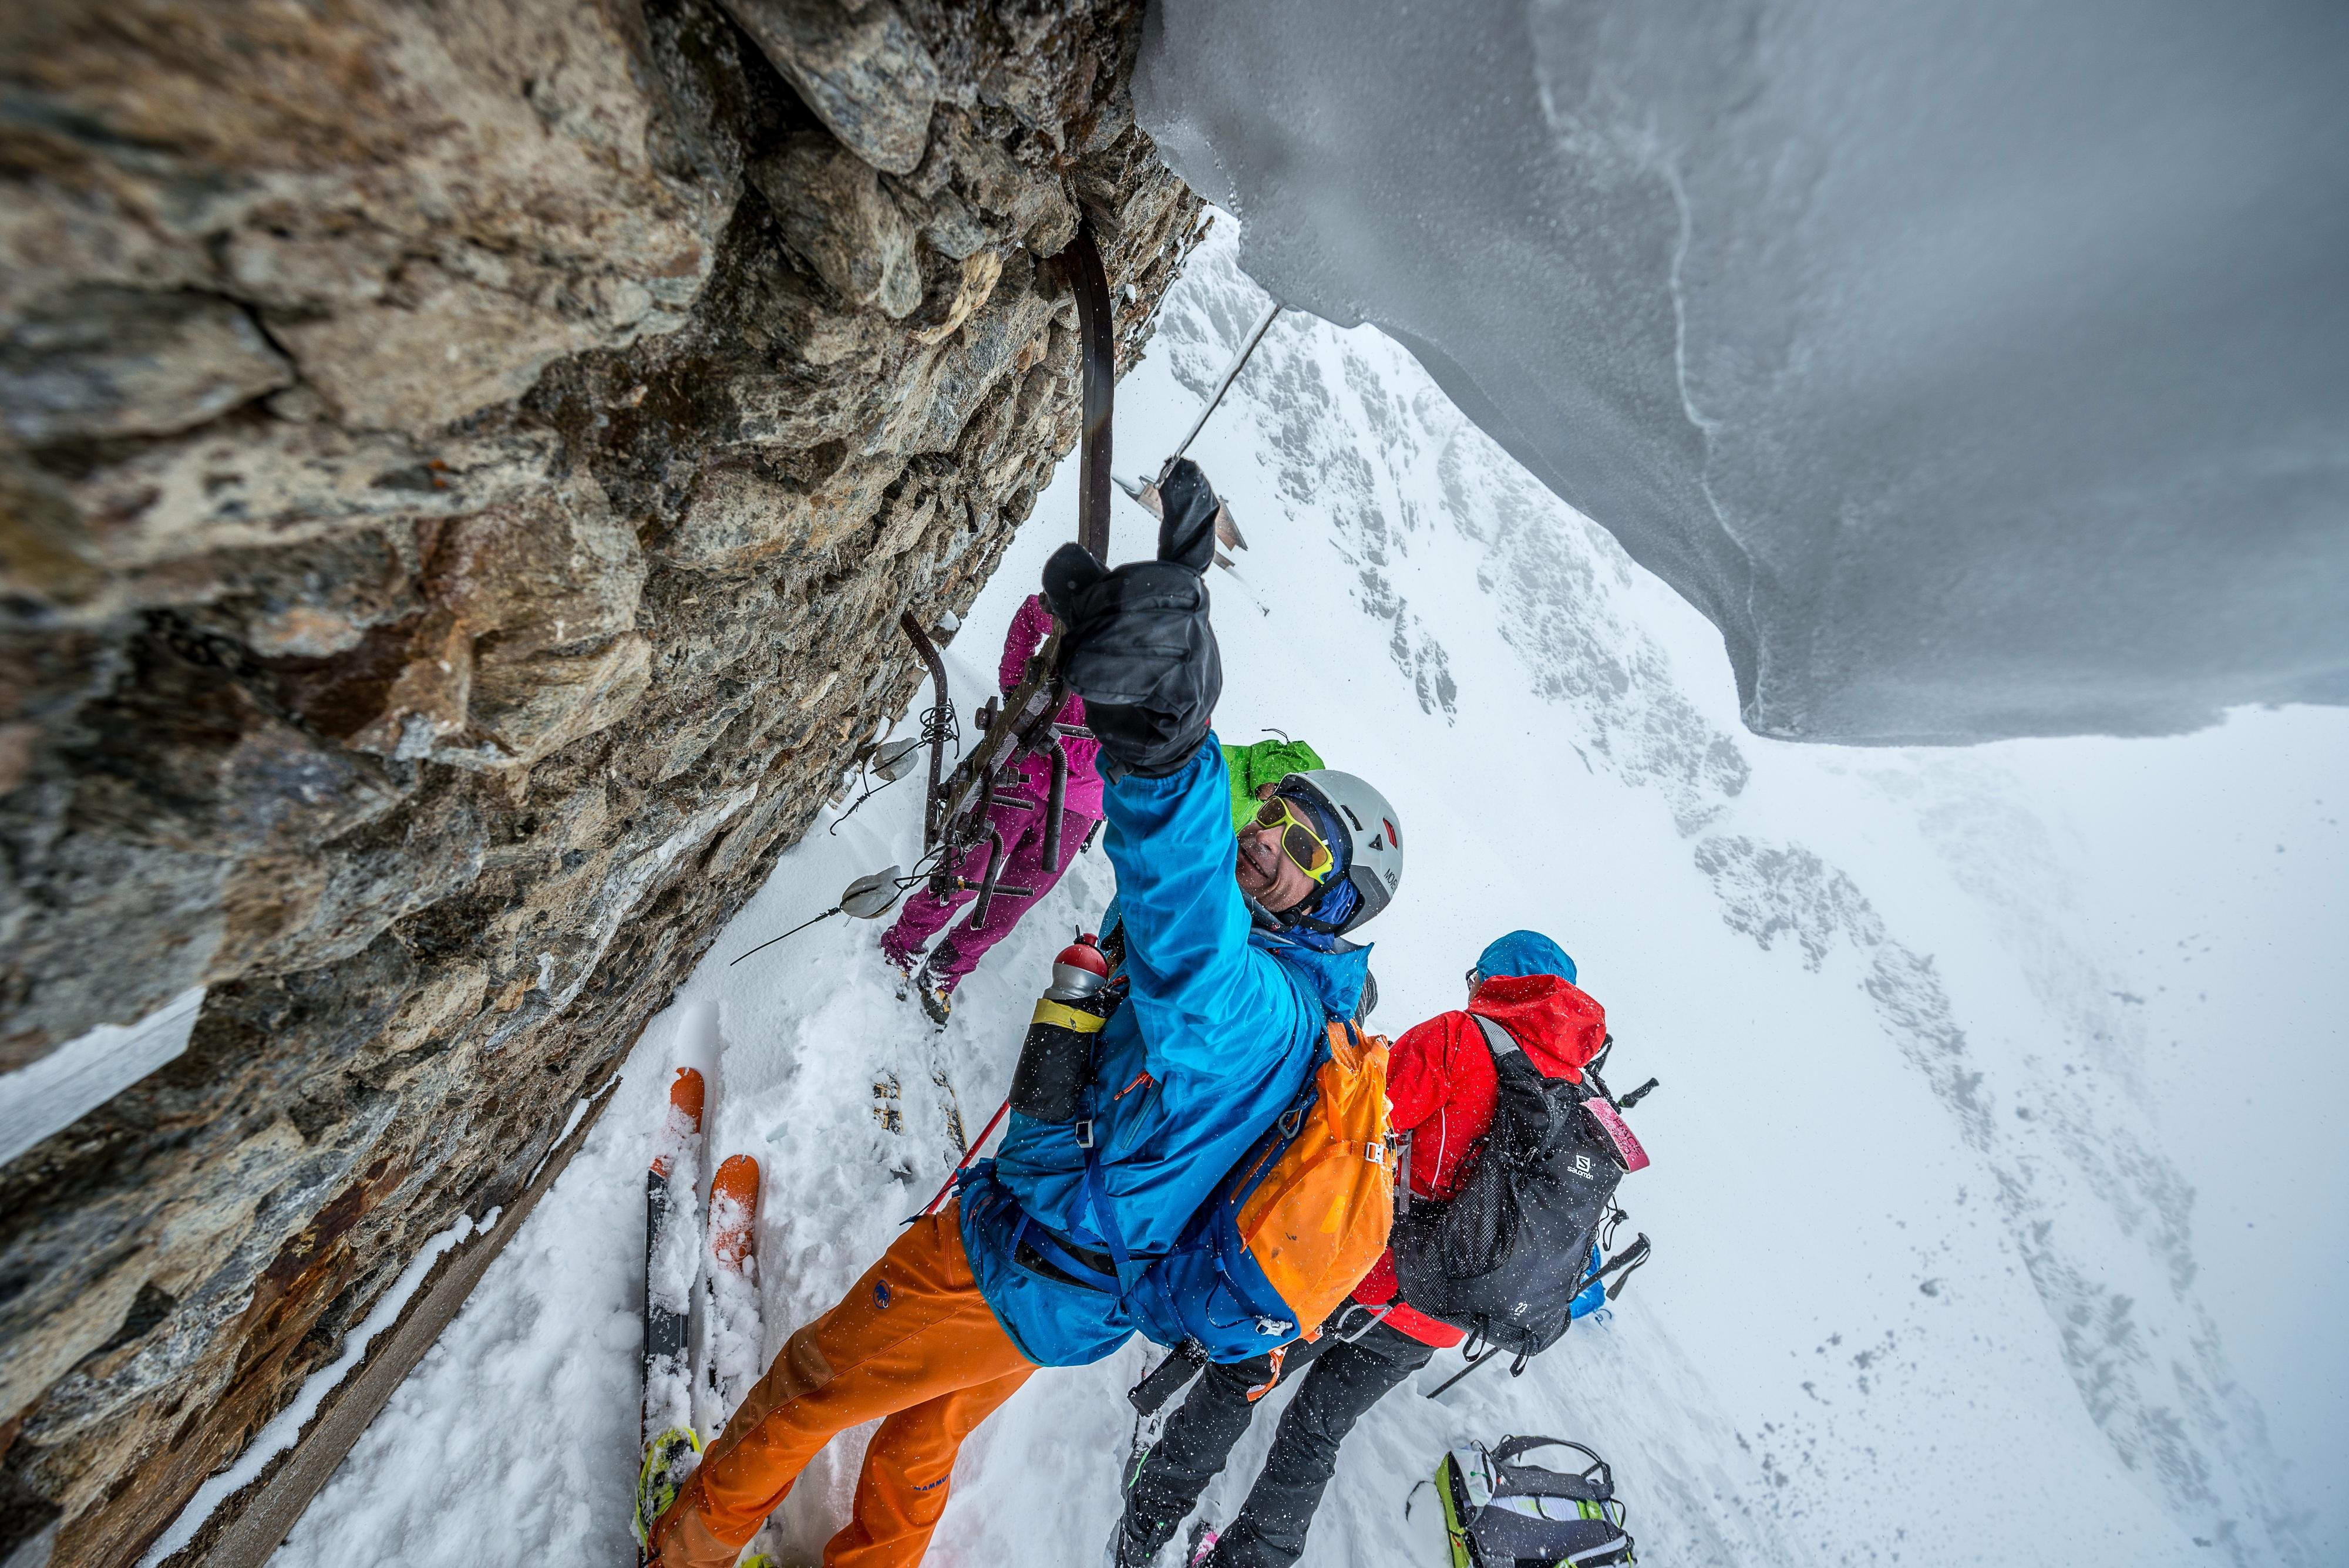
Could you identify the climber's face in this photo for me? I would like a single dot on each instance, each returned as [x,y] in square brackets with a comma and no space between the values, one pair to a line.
[1267,875]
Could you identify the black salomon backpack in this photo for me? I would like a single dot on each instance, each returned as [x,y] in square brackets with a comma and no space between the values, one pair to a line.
[1502,1259]
[1500,1513]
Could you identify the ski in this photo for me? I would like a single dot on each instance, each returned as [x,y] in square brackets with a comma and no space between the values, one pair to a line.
[730,1282]
[671,1249]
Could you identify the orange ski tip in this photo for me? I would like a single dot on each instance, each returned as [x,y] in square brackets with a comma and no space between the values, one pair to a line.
[684,1102]
[738,1178]
[734,1210]
[686,1094]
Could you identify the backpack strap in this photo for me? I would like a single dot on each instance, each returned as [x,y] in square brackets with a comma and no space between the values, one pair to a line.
[1497,1039]
[1129,1272]
[1131,1268]
[1027,1232]
[1594,1483]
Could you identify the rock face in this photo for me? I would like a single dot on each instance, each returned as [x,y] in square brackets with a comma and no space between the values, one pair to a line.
[459,472]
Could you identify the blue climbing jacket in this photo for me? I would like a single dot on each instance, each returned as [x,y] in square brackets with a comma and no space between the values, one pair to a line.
[1216,1037]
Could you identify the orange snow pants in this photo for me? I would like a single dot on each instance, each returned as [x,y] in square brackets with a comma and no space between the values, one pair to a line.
[913,1342]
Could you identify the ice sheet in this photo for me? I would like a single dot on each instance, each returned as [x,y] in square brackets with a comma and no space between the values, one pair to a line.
[1978,367]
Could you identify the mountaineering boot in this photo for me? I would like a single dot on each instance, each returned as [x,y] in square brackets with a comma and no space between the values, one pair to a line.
[670,1462]
[938,1000]
[1122,1551]
[903,965]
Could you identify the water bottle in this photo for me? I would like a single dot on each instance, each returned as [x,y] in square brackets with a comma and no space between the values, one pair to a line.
[1056,1060]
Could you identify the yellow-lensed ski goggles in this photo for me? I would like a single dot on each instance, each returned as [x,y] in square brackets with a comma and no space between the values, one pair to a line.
[1299,839]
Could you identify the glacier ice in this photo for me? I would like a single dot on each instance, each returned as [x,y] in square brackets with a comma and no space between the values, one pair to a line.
[1978,367]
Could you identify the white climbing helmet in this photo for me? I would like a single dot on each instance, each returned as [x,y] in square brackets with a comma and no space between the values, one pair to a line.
[1373,829]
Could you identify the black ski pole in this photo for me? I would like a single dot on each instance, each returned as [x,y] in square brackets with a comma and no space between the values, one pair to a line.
[1247,347]
[1474,1361]
[1630,1258]
[795,930]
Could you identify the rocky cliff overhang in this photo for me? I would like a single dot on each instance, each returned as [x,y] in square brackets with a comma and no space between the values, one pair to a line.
[461,471]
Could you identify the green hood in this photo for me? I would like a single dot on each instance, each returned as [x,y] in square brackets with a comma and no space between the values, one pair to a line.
[1267,761]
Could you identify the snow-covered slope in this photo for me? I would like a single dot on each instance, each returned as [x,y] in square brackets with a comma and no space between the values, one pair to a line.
[1979,367]
[1932,1283]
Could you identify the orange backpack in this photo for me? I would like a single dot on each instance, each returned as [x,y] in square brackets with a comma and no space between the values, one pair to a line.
[1297,1224]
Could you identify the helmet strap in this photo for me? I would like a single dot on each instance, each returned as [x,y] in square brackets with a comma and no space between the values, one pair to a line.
[1330,928]
[1265,921]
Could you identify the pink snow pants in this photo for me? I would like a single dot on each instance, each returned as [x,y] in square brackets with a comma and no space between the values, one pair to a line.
[1023,866]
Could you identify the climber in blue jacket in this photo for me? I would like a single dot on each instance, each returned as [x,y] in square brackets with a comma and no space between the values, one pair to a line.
[1233,966]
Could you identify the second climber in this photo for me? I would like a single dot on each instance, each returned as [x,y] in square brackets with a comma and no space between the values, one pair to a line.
[1019,815]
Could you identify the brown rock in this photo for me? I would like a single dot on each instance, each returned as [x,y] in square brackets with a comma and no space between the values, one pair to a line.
[527,706]
[507,152]
[17,744]
[736,516]
[863,70]
[1032,205]
[353,351]
[427,700]
[556,568]
[104,361]
[451,347]
[976,280]
[230,487]
[836,218]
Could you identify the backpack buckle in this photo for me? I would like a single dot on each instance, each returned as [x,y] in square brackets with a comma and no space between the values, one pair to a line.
[1376,1153]
[1085,1132]
[1274,1325]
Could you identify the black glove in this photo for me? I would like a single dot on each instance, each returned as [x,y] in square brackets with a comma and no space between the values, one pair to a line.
[1138,647]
